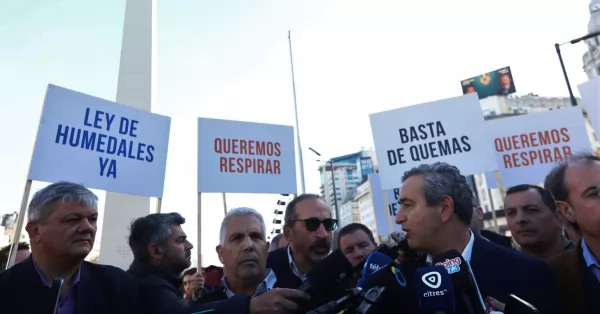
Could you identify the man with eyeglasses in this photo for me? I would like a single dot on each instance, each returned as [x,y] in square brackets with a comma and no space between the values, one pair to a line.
[308,227]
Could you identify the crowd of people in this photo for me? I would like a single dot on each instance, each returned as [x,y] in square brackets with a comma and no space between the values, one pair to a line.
[551,260]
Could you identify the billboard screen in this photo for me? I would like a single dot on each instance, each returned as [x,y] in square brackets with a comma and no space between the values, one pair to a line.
[494,83]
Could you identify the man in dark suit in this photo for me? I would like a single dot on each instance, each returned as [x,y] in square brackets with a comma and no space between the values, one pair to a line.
[575,185]
[435,212]
[62,227]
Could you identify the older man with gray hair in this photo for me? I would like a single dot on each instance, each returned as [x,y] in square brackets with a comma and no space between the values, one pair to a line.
[62,226]
[243,250]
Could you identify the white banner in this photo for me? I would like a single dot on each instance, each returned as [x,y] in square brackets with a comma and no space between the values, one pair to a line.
[245,157]
[100,144]
[448,130]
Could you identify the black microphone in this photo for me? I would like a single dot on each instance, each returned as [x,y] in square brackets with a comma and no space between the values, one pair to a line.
[327,273]
[56,291]
[516,305]
[465,285]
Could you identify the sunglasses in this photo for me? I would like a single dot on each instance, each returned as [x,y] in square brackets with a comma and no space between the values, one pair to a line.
[312,224]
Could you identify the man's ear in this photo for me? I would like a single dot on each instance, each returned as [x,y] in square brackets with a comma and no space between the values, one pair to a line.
[566,211]
[219,249]
[287,232]
[155,251]
[33,230]
[447,204]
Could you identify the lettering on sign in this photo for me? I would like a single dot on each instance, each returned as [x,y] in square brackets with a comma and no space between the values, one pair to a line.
[522,150]
[425,142]
[248,156]
[108,135]
[393,205]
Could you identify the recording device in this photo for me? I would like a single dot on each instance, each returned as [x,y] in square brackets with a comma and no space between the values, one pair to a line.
[328,273]
[55,292]
[380,275]
[434,290]
[463,281]
[516,305]
[373,263]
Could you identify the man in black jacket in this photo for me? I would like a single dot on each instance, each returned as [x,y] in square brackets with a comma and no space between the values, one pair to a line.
[62,227]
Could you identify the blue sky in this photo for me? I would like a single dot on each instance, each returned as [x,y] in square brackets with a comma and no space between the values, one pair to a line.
[229,59]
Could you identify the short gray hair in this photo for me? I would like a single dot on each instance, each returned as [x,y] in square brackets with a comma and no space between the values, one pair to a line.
[42,203]
[240,211]
[151,229]
[442,179]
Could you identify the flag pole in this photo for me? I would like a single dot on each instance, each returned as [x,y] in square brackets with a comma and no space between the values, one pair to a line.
[299,146]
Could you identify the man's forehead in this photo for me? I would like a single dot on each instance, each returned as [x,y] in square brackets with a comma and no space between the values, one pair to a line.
[243,223]
[356,235]
[411,187]
[311,207]
[580,176]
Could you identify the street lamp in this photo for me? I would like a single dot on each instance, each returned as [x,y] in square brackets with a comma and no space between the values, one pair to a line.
[335,203]
[562,64]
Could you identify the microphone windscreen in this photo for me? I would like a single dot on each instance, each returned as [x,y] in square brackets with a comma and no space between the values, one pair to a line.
[462,277]
[399,293]
[327,272]
[373,263]
[434,290]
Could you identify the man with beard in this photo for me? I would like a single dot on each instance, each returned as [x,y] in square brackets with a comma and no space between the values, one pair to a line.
[62,226]
[308,227]
[243,250]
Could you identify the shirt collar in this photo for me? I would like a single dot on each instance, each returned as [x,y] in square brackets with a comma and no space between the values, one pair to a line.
[267,284]
[466,253]
[293,266]
[45,282]
[589,258]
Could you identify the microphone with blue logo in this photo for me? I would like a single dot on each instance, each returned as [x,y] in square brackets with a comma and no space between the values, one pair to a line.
[434,290]
[374,262]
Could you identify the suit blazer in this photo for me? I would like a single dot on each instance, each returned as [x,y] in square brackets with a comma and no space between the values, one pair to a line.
[569,277]
[101,289]
[500,271]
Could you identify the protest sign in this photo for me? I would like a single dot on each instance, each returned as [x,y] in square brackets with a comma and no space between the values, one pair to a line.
[590,96]
[245,157]
[384,213]
[100,144]
[448,130]
[528,146]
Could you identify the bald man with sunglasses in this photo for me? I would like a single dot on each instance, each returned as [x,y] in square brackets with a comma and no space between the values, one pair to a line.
[308,228]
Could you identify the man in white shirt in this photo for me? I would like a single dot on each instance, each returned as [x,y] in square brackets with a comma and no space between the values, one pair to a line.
[436,206]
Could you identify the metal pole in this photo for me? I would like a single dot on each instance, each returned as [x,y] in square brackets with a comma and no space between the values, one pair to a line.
[299,146]
[335,203]
[564,70]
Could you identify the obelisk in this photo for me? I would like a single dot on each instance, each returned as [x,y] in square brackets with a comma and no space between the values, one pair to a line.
[136,86]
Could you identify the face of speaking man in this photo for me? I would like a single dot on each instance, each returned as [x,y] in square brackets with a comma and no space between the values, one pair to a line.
[310,233]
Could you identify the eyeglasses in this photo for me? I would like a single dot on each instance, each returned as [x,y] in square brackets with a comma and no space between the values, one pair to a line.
[313,223]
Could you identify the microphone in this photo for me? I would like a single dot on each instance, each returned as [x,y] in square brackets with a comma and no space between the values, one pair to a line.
[327,273]
[463,281]
[434,289]
[56,289]
[373,263]
[516,305]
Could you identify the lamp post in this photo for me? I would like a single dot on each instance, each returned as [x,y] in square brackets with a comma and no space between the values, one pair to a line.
[562,63]
[335,203]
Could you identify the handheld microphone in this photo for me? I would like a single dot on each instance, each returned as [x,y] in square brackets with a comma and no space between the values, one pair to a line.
[56,290]
[327,273]
[434,289]
[516,305]
[373,263]
[463,281]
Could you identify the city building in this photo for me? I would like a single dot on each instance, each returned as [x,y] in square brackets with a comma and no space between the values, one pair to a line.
[498,107]
[591,58]
[364,198]
[349,213]
[340,175]
[9,222]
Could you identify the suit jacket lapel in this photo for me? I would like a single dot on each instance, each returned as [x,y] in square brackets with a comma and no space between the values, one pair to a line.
[85,293]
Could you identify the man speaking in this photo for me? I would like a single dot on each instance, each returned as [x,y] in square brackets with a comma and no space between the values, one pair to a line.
[435,212]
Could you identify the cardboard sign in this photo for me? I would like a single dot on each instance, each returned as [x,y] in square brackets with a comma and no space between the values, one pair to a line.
[245,157]
[448,130]
[100,144]
[528,146]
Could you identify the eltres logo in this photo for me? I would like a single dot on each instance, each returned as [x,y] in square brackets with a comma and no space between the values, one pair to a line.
[433,280]
[452,265]
[374,267]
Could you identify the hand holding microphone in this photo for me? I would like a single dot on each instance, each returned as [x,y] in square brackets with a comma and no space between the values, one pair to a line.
[277,301]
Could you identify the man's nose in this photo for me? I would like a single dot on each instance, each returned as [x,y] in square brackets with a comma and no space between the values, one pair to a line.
[86,226]
[400,217]
[522,218]
[247,244]
[321,232]
[188,245]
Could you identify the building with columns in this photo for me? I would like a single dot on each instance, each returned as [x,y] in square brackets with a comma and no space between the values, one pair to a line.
[591,59]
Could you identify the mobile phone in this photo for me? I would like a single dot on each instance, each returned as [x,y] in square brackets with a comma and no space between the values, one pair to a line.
[516,305]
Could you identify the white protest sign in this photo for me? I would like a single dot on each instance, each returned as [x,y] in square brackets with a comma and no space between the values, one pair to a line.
[528,146]
[590,95]
[448,130]
[245,157]
[100,144]
[384,213]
